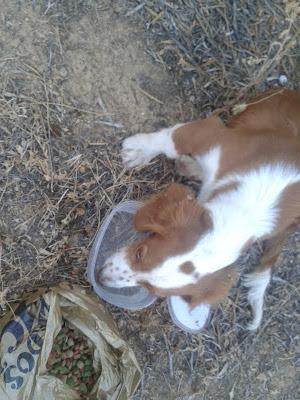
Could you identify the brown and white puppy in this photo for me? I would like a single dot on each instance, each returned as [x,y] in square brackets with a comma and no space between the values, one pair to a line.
[250,171]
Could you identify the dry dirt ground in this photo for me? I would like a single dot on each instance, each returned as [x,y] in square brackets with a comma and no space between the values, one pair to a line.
[75,78]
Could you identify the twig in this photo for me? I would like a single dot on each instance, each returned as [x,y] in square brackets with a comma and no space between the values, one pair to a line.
[149,95]
[170,356]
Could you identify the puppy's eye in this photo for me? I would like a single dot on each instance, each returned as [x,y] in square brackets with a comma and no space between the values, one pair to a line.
[140,253]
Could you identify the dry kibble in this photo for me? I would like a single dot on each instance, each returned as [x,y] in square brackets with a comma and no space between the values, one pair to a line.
[69,353]
[71,360]
[80,364]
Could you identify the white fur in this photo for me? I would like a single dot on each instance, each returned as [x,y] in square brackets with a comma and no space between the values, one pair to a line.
[257,283]
[117,273]
[141,148]
[209,163]
[249,211]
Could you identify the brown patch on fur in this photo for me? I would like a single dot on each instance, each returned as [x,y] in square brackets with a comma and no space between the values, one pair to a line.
[265,131]
[198,136]
[273,247]
[268,130]
[288,222]
[289,207]
[272,111]
[210,289]
[175,220]
[187,267]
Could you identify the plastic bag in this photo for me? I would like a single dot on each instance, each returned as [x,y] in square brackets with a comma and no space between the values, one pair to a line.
[26,338]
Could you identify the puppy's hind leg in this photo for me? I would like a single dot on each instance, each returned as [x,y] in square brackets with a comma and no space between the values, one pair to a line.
[257,283]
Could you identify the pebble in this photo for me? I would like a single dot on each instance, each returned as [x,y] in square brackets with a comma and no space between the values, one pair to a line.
[283,79]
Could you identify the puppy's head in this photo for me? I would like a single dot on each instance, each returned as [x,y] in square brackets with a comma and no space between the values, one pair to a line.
[174,221]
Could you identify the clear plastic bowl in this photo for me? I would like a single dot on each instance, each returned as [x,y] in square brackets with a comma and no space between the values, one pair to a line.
[191,321]
[115,232]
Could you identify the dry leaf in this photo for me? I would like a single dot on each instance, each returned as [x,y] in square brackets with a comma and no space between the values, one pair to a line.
[238,108]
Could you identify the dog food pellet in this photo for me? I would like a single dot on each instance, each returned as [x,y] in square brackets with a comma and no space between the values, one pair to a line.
[71,360]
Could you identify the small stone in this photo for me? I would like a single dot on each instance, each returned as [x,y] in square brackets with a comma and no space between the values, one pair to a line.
[63,72]
[283,79]
[80,364]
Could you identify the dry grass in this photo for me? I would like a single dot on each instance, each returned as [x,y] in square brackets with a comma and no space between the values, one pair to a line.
[222,51]
[66,187]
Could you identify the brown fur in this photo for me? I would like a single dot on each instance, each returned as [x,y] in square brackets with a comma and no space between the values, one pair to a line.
[268,130]
[273,247]
[265,131]
[198,136]
[272,111]
[289,206]
[209,290]
[174,220]
[187,267]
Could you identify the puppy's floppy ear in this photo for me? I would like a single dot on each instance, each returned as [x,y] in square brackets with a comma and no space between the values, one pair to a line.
[153,216]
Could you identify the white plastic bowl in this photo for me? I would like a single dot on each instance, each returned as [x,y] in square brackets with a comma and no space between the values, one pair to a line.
[115,232]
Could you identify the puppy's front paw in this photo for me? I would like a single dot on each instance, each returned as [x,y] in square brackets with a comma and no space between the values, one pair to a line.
[136,150]
[188,166]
